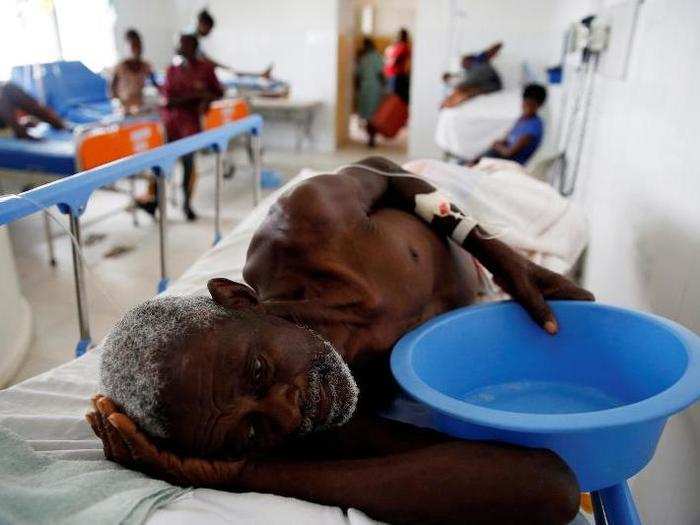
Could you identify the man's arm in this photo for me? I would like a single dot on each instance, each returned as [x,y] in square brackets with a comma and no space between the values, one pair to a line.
[265,73]
[432,480]
[526,282]
[492,51]
[113,85]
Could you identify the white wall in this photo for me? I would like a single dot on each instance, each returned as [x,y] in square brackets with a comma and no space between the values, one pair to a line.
[390,15]
[300,37]
[157,23]
[640,186]
[531,31]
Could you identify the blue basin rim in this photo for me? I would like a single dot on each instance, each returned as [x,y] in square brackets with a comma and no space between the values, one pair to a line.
[662,405]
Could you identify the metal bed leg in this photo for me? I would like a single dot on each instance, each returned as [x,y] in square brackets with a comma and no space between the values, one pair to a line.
[618,505]
[132,190]
[598,513]
[173,193]
[218,158]
[161,194]
[49,239]
[256,143]
[81,299]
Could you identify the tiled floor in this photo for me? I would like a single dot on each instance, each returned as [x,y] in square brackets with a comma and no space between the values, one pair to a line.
[116,283]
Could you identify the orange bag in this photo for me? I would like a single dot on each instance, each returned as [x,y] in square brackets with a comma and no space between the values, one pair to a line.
[391,116]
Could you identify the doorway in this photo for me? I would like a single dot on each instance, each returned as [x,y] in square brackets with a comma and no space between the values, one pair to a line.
[380,21]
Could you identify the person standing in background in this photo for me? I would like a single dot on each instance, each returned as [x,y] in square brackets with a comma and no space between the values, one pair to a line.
[397,65]
[190,86]
[201,30]
[130,76]
[370,84]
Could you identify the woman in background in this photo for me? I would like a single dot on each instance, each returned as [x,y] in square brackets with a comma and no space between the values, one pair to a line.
[370,84]
[397,65]
[190,86]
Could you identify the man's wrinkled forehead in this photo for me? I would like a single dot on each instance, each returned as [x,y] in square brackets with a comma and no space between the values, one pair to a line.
[226,345]
[211,360]
[226,337]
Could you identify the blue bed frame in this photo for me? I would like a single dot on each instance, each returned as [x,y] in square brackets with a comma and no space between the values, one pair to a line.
[71,195]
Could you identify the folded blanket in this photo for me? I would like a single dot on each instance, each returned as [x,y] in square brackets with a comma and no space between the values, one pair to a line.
[36,489]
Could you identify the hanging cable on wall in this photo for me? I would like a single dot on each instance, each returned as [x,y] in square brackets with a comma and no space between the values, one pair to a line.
[591,39]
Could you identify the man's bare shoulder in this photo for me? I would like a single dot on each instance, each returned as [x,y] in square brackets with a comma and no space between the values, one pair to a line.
[333,201]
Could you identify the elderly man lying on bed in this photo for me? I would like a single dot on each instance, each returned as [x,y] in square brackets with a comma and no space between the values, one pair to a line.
[256,389]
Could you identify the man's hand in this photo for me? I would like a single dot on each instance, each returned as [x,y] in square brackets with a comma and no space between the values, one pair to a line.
[530,284]
[125,444]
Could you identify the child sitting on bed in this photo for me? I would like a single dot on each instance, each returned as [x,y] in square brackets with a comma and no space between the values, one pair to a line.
[525,136]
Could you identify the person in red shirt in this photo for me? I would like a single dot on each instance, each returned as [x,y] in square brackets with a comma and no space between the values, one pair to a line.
[190,86]
[397,65]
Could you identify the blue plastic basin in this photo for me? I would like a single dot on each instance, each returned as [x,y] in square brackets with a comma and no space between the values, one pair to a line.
[598,393]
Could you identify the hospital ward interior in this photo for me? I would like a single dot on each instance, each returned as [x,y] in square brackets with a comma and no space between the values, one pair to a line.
[346,262]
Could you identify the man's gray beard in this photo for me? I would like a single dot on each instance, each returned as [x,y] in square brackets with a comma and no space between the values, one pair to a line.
[329,369]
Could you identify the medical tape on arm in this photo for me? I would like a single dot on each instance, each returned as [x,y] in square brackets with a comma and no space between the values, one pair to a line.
[436,204]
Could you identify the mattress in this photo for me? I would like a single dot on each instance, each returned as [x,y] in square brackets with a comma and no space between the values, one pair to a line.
[54,154]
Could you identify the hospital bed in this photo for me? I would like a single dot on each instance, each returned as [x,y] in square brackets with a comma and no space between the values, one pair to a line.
[249,85]
[59,154]
[47,411]
[77,94]
[300,113]
[102,133]
[72,193]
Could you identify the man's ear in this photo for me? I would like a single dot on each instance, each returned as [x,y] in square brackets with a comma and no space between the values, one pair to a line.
[231,295]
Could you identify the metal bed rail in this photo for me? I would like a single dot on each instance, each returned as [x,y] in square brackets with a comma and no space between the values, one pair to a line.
[72,193]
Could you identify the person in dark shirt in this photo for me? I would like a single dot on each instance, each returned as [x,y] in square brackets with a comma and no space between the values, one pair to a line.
[525,136]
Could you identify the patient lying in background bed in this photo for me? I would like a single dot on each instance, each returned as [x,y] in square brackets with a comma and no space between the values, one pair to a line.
[19,111]
[478,77]
[274,388]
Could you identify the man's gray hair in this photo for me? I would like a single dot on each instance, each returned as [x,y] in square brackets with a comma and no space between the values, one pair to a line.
[137,349]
